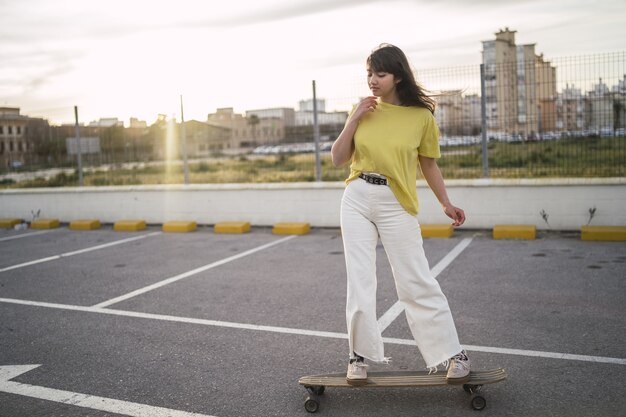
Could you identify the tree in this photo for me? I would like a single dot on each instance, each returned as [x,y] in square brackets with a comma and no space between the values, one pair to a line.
[253,121]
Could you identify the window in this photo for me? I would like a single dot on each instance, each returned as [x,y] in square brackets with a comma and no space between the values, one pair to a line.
[19,130]
[1,130]
[10,130]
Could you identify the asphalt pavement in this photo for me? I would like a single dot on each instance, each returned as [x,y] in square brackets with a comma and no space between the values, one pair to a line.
[167,324]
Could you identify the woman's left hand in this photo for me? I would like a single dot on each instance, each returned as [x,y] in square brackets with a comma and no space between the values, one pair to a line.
[455,214]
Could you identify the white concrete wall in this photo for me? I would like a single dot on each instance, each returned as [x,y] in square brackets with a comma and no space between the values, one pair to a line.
[486,203]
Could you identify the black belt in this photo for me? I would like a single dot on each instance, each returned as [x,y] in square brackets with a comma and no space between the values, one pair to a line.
[373,180]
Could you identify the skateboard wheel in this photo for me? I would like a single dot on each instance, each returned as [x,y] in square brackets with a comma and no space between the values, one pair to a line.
[478,402]
[311,405]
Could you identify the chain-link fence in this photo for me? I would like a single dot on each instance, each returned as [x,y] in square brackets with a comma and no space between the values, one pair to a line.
[522,116]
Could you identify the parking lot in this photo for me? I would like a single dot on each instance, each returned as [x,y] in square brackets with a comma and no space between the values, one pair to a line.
[104,323]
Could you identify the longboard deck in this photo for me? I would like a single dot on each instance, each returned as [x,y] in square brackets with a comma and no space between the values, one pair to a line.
[401,379]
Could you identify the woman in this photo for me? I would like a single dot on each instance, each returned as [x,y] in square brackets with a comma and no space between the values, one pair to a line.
[384,138]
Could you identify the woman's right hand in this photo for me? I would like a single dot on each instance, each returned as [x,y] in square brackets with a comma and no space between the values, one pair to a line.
[366,106]
[343,148]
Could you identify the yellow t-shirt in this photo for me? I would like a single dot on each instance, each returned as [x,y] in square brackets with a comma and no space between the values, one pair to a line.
[388,142]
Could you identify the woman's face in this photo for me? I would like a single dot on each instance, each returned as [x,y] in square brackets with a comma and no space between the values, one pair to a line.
[382,84]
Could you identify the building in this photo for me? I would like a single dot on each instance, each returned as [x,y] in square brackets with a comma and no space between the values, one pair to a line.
[619,105]
[330,123]
[137,124]
[17,143]
[107,122]
[458,114]
[307,105]
[288,115]
[601,109]
[471,115]
[449,113]
[570,108]
[278,125]
[138,140]
[546,93]
[499,60]
[204,138]
[257,127]
[520,87]
[305,114]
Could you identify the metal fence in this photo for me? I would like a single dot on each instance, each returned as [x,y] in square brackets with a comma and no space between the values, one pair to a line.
[533,117]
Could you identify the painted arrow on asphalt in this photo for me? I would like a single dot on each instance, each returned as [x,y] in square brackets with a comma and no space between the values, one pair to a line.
[81,400]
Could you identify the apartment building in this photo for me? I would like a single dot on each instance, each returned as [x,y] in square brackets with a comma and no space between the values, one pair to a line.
[520,87]
[546,94]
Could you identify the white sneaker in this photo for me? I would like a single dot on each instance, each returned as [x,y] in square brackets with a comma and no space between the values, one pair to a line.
[357,373]
[459,369]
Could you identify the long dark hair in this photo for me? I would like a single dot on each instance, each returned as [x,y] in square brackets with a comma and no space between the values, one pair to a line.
[391,59]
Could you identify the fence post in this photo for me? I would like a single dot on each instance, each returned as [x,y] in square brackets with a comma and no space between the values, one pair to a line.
[78,150]
[183,134]
[483,122]
[316,135]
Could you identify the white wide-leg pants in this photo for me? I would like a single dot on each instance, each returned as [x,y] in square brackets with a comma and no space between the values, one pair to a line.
[367,212]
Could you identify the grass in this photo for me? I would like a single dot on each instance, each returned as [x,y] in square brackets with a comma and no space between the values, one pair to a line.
[584,157]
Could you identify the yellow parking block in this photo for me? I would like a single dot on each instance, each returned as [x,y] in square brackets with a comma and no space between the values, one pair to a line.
[90,224]
[509,231]
[9,223]
[129,225]
[437,230]
[232,227]
[45,224]
[291,228]
[614,233]
[180,227]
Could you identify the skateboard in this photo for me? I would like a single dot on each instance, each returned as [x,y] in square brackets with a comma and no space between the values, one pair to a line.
[316,384]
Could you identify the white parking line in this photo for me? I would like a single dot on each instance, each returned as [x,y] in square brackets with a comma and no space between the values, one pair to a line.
[28,234]
[390,315]
[190,273]
[302,332]
[77,252]
[76,399]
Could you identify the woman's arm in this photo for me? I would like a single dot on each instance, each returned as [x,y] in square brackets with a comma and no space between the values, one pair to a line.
[433,177]
[343,147]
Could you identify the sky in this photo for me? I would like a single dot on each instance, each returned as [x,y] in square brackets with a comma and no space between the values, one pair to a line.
[136,58]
